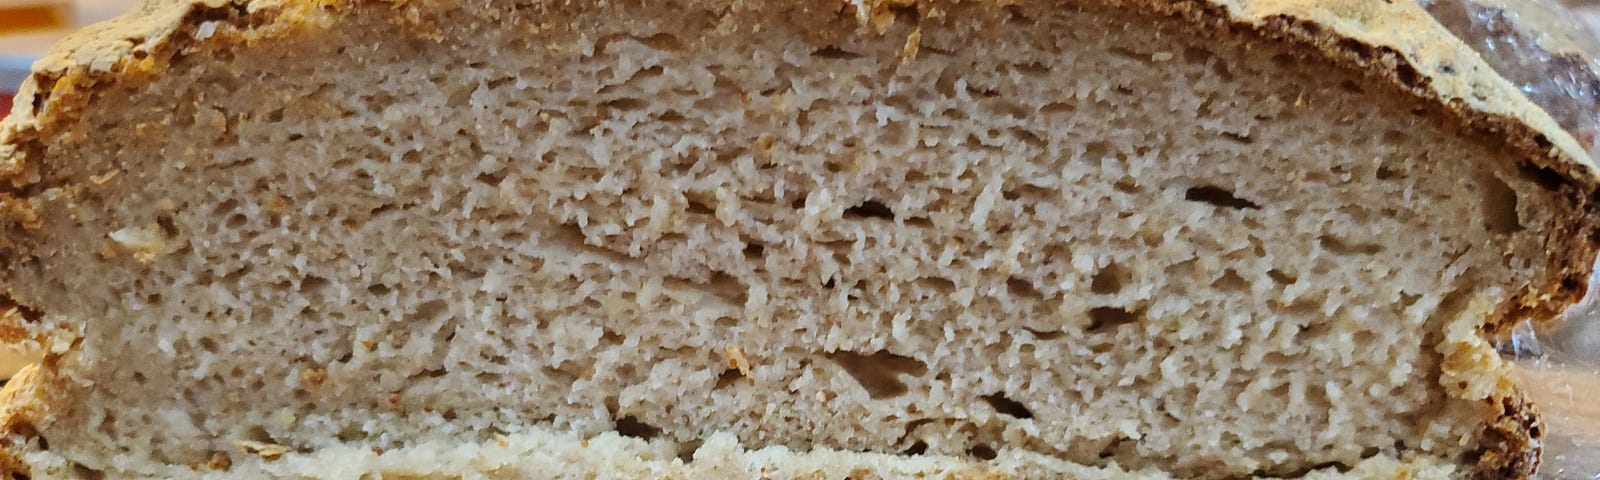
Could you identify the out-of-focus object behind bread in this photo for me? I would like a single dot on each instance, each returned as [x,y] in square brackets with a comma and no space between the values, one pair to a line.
[1539,47]
[29,27]
[33,14]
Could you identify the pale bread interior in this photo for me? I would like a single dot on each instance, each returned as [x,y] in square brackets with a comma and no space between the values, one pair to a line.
[1089,236]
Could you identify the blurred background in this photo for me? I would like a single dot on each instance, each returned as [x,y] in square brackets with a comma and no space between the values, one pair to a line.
[27,27]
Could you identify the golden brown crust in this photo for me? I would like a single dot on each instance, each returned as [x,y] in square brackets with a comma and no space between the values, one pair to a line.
[1391,42]
[21,406]
[1509,447]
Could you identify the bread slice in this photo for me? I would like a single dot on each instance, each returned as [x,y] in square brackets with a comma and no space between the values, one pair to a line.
[703,239]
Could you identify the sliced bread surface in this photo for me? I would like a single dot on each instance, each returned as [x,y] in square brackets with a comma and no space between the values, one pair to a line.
[695,238]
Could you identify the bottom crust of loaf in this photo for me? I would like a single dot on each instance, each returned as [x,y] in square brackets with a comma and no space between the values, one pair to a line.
[543,453]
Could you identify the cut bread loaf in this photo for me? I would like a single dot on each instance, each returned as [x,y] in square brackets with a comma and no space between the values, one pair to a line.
[772,238]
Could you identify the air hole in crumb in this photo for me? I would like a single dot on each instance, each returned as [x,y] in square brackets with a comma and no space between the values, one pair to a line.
[460,96]
[1394,137]
[1005,405]
[168,227]
[1046,334]
[1114,446]
[1352,87]
[1058,107]
[1096,151]
[687,448]
[1546,178]
[429,311]
[206,343]
[1109,280]
[630,426]
[1129,54]
[728,287]
[979,91]
[727,378]
[1126,186]
[378,289]
[699,206]
[1014,15]
[834,53]
[1021,288]
[662,41]
[1218,196]
[314,285]
[257,433]
[1196,55]
[983,452]
[879,373]
[754,250]
[918,448]
[1285,60]
[1312,332]
[1386,173]
[491,179]
[870,209]
[1027,136]
[1231,281]
[1028,191]
[1281,277]
[1304,306]
[83,472]
[1033,69]
[1339,246]
[937,284]
[1499,206]
[1221,70]
[1238,138]
[625,104]
[1101,318]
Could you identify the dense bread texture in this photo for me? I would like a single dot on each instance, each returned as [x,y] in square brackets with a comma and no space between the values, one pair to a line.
[699,239]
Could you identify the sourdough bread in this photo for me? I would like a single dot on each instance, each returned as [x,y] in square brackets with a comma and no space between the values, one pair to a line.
[700,239]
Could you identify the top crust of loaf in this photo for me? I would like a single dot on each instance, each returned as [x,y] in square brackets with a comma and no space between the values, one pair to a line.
[1393,43]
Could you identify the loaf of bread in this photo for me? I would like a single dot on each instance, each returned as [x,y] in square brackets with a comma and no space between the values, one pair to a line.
[778,239]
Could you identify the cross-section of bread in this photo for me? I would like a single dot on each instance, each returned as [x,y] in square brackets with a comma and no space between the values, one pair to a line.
[777,238]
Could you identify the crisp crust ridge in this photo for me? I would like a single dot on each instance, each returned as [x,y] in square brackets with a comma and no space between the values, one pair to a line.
[1395,43]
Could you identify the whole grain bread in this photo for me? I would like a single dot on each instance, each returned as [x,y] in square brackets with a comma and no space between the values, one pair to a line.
[778,239]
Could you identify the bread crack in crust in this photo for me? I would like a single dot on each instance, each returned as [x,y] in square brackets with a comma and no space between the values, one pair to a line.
[777,239]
